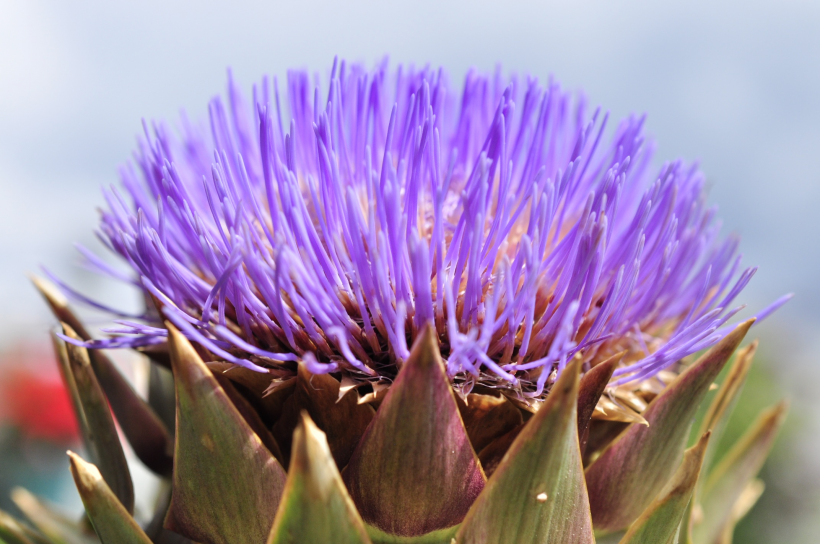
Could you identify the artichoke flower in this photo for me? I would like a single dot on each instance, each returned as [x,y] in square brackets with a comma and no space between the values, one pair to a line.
[389,311]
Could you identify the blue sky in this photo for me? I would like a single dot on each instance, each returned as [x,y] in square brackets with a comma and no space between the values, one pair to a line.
[735,85]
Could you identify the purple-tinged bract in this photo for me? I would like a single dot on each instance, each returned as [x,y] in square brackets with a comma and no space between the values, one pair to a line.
[329,224]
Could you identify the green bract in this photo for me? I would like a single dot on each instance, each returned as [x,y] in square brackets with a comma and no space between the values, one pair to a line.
[257,460]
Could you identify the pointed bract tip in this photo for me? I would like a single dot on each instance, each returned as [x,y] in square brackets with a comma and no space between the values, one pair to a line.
[309,426]
[613,360]
[309,444]
[545,459]
[418,424]
[602,372]
[241,470]
[732,340]
[567,382]
[700,446]
[779,411]
[719,354]
[746,354]
[765,428]
[49,291]
[86,475]
[305,421]
[563,393]
[687,474]
[315,506]
[426,349]
[743,328]
[311,433]
[110,519]
[180,349]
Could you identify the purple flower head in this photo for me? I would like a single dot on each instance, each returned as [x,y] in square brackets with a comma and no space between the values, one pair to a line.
[329,224]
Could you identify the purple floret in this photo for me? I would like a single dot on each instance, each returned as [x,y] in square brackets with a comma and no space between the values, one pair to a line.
[332,226]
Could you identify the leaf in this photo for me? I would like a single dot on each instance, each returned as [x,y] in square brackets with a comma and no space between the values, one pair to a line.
[660,522]
[344,422]
[592,387]
[315,506]
[636,466]
[142,428]
[97,425]
[537,493]
[227,485]
[113,523]
[732,475]
[415,471]
[57,528]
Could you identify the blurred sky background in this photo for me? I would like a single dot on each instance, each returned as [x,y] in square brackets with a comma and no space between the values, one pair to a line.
[735,85]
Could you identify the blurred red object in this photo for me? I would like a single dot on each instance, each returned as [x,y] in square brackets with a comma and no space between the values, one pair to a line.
[33,398]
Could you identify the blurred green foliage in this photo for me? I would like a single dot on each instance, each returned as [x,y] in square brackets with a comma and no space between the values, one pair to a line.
[789,496]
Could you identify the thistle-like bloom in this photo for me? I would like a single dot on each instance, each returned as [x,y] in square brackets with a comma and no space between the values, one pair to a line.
[329,225]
